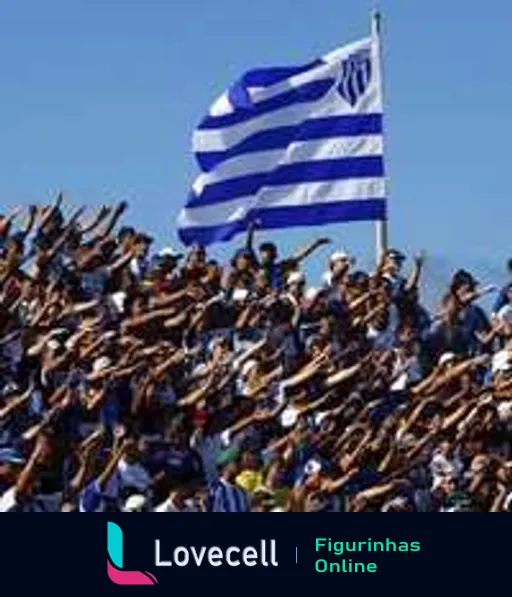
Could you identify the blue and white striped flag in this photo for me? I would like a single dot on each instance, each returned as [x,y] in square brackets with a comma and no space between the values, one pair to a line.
[295,146]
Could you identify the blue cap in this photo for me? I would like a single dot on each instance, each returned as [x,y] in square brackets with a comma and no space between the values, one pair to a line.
[10,456]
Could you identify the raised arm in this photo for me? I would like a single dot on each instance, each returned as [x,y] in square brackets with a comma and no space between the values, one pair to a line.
[197,394]
[305,252]
[111,220]
[63,238]
[112,464]
[249,241]
[15,403]
[334,485]
[24,481]
[119,263]
[414,276]
[49,212]
[100,216]
[29,222]
[342,375]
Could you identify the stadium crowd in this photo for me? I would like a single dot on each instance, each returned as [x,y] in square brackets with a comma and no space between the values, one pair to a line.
[136,380]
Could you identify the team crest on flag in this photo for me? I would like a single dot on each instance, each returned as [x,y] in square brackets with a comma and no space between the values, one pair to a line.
[356,76]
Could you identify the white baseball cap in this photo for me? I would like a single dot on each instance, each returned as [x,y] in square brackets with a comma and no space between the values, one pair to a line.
[135,503]
[170,253]
[339,256]
[295,278]
[446,357]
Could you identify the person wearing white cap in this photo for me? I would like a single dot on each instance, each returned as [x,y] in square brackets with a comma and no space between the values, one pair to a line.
[296,295]
[391,268]
[166,261]
[446,359]
[339,267]
[340,263]
[136,503]
[295,285]
[169,253]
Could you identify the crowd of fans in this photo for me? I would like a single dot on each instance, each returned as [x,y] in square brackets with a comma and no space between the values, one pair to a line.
[136,380]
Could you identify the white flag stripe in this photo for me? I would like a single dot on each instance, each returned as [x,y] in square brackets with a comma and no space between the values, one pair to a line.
[226,137]
[286,196]
[221,106]
[302,151]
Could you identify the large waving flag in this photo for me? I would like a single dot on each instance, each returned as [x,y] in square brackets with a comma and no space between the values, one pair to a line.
[294,146]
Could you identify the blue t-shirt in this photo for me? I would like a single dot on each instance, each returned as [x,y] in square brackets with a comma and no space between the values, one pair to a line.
[502,298]
[91,498]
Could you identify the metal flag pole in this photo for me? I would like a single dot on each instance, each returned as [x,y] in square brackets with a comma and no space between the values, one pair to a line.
[381,226]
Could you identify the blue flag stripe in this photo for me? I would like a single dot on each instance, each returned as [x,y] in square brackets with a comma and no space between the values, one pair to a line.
[297,172]
[264,77]
[280,217]
[309,92]
[281,137]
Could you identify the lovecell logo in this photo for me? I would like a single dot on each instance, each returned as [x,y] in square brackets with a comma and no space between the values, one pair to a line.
[115,561]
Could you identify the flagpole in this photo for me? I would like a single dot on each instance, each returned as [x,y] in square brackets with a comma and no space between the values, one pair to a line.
[381,226]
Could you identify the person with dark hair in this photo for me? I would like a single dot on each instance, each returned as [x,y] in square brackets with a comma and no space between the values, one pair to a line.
[143,380]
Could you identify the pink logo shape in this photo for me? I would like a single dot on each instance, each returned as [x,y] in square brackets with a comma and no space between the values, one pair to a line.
[115,561]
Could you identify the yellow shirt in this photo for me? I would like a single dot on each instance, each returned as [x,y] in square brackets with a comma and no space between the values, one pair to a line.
[249,480]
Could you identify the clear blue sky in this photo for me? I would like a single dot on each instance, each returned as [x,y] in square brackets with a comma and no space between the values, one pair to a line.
[99,98]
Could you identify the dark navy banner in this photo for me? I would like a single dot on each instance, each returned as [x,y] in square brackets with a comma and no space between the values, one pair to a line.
[233,555]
